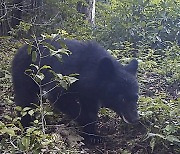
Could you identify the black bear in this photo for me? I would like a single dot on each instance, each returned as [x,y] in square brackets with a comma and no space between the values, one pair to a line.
[102,81]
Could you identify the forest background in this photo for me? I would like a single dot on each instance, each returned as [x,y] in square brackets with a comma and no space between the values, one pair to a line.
[148,30]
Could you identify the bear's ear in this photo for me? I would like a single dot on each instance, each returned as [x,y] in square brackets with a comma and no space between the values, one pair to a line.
[106,68]
[132,67]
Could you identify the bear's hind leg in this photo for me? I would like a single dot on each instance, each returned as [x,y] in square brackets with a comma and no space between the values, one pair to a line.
[26,94]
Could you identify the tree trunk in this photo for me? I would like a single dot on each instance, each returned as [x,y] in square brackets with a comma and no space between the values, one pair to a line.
[88,10]
[91,12]
[4,16]
[17,12]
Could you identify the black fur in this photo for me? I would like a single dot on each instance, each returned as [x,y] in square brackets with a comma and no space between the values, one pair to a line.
[103,81]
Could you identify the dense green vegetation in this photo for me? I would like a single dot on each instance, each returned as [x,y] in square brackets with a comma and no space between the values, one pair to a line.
[142,29]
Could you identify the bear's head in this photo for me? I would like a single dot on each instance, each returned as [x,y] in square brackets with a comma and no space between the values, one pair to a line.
[119,88]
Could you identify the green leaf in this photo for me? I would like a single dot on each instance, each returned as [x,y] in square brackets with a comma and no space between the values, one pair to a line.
[45,67]
[26,142]
[72,79]
[26,108]
[35,66]
[40,77]
[31,112]
[49,113]
[20,146]
[170,129]
[23,113]
[60,51]
[36,121]
[34,56]
[63,45]
[59,57]
[73,75]
[30,130]
[172,138]
[18,108]
[29,49]
[8,131]
[53,36]
[152,144]
[49,46]
[64,51]
[2,124]
[60,76]
[104,111]
[8,117]
[28,71]
[63,84]
[63,32]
